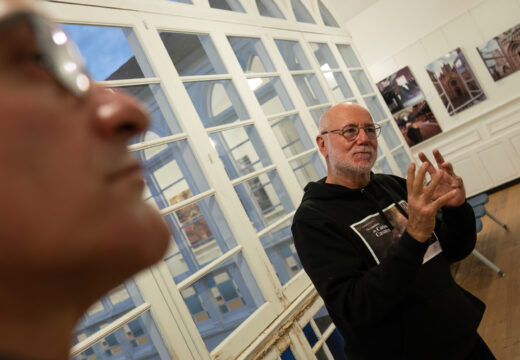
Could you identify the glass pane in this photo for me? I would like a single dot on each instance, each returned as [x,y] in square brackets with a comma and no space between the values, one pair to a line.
[317,113]
[293,55]
[390,135]
[308,168]
[172,173]
[362,82]
[163,120]
[251,54]
[310,89]
[269,8]
[348,55]
[310,334]
[118,56]
[265,199]
[402,159]
[232,5]
[322,320]
[326,16]
[241,150]
[182,1]
[222,300]
[335,345]
[382,166]
[200,235]
[301,13]
[339,86]
[375,108]
[279,246]
[291,135]
[139,336]
[217,102]
[271,94]
[192,54]
[287,355]
[321,354]
[324,56]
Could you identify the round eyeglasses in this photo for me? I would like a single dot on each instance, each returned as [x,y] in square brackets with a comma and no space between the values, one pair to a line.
[351,132]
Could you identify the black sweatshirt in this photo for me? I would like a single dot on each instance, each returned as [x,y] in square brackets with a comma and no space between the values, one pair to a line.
[383,299]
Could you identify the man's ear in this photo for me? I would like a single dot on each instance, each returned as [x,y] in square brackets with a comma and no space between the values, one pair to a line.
[320,141]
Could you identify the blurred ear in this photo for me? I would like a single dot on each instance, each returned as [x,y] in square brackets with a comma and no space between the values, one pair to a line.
[320,141]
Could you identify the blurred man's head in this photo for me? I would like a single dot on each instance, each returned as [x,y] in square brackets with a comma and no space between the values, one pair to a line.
[348,140]
[71,193]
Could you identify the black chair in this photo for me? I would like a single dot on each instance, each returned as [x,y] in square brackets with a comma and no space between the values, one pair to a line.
[477,203]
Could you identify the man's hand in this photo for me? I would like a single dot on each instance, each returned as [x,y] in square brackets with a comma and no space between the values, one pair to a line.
[448,180]
[422,208]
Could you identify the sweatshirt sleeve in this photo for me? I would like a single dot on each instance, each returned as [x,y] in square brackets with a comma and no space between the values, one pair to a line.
[359,294]
[457,231]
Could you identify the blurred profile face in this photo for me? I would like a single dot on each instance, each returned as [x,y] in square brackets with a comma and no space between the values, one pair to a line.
[71,193]
[344,156]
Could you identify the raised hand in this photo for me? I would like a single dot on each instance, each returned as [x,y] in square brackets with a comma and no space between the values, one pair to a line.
[448,179]
[422,208]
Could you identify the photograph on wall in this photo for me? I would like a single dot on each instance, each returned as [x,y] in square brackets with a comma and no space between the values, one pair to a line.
[455,82]
[502,53]
[406,102]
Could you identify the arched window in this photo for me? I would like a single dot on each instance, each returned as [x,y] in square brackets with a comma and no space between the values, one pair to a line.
[301,13]
[326,16]
[269,8]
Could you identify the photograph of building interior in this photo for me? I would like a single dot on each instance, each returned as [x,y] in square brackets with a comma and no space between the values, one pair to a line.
[235,90]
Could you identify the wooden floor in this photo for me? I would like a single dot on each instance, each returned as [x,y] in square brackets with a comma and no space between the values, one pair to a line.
[500,326]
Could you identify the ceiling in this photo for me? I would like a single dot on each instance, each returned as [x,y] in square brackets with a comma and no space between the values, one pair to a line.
[344,10]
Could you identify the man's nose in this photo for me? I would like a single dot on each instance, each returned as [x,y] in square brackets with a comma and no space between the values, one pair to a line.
[362,136]
[119,114]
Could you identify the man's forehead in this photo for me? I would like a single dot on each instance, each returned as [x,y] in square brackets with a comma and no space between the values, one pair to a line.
[350,114]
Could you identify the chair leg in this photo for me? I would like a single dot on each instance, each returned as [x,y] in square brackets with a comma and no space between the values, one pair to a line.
[496,220]
[486,261]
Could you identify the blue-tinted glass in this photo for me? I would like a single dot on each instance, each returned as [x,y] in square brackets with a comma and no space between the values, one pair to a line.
[317,113]
[222,300]
[324,56]
[308,168]
[326,16]
[163,120]
[200,235]
[279,246]
[287,355]
[322,319]
[301,13]
[348,55]
[402,159]
[335,345]
[171,172]
[251,54]
[271,94]
[310,89]
[339,86]
[139,336]
[217,102]
[291,135]
[362,82]
[265,199]
[109,52]
[310,334]
[375,108]
[192,54]
[241,150]
[269,8]
[390,135]
[382,166]
[182,1]
[293,55]
[231,5]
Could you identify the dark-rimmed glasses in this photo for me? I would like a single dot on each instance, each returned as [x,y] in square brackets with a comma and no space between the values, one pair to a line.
[58,53]
[351,132]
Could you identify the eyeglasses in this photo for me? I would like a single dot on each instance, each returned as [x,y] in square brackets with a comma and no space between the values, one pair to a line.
[351,132]
[59,54]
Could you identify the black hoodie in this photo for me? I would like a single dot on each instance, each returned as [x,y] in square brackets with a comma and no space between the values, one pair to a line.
[383,299]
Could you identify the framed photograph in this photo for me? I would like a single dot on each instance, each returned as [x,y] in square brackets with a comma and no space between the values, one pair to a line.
[455,82]
[406,102]
[501,54]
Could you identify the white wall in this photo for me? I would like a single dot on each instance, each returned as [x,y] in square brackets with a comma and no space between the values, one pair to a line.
[483,142]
